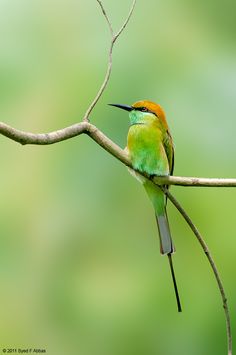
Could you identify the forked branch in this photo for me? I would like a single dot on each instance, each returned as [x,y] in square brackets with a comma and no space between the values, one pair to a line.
[114,37]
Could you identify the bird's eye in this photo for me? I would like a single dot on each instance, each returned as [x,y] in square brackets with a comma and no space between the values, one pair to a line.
[144,109]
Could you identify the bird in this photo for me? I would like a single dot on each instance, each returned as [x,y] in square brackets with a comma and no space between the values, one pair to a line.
[151,151]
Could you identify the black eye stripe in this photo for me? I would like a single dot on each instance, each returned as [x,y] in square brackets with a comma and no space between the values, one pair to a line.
[144,109]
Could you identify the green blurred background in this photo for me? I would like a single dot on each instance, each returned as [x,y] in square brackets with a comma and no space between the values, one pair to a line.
[80,269]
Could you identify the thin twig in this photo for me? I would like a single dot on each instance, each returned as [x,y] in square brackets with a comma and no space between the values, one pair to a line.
[106,17]
[103,86]
[109,65]
[211,261]
[126,21]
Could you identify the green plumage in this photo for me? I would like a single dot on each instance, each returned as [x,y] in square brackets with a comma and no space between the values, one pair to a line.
[151,151]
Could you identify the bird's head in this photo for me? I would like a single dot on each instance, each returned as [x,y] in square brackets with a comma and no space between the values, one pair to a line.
[144,112]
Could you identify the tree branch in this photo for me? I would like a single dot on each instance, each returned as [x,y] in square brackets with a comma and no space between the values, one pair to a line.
[195,181]
[42,138]
[211,261]
[112,148]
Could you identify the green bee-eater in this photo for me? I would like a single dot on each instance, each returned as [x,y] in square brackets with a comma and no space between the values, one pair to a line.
[150,148]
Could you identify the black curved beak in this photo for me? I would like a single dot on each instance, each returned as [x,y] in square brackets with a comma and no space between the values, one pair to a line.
[123,107]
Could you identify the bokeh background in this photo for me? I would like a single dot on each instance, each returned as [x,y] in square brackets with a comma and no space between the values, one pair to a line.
[80,269]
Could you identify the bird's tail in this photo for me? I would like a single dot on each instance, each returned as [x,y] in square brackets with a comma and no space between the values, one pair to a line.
[166,243]
[167,247]
[157,197]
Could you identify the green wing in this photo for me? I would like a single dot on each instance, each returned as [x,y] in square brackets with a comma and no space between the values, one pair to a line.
[169,149]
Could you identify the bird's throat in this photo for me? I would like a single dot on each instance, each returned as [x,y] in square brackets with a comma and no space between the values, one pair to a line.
[136,117]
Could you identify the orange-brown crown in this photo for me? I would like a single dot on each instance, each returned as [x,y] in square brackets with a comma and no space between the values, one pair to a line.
[152,107]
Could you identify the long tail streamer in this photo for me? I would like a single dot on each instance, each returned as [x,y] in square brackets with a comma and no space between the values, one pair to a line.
[175,283]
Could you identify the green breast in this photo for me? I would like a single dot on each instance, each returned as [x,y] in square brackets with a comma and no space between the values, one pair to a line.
[146,151]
